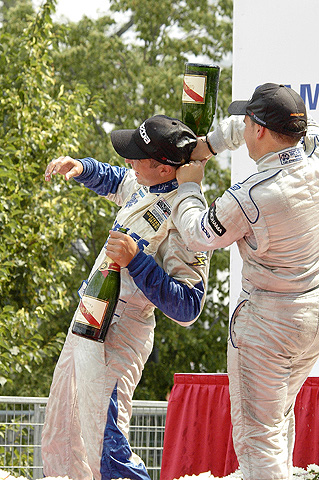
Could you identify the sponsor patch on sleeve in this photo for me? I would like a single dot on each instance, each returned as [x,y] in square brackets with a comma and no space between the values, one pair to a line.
[200,260]
[213,221]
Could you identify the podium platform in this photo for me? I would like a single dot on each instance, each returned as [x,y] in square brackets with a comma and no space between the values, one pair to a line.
[198,430]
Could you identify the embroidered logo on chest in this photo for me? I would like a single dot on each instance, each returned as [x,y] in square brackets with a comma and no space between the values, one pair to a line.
[135,198]
[158,213]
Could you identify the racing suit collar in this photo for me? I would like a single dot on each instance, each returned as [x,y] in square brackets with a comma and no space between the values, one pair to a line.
[283,158]
[164,187]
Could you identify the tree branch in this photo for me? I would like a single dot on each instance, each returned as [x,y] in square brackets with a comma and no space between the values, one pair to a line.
[125,27]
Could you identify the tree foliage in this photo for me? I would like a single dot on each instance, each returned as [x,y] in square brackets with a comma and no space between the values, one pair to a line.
[63,86]
[37,118]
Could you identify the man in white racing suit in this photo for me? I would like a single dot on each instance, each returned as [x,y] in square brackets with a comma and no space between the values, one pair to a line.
[274,217]
[86,427]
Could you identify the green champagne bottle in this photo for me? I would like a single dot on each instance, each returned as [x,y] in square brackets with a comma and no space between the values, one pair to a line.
[199,97]
[98,302]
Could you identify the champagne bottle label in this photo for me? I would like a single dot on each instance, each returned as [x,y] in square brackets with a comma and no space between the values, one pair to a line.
[194,89]
[107,265]
[91,311]
[114,267]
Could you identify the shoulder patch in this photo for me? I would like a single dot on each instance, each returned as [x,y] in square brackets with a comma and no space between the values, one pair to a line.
[213,221]
[200,260]
[290,156]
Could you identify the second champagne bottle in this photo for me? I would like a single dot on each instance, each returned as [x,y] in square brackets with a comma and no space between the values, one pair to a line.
[199,97]
[99,301]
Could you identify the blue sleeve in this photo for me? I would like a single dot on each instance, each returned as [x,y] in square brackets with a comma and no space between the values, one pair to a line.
[175,299]
[102,178]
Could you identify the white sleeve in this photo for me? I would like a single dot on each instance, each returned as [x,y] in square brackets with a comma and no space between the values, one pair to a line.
[310,142]
[202,228]
[229,135]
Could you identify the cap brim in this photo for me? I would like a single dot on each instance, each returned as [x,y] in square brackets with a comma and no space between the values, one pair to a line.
[238,107]
[125,146]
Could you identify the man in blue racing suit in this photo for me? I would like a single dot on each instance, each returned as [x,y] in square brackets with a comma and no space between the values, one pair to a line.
[85,434]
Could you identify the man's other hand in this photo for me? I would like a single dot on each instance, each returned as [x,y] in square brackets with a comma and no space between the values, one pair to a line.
[67,166]
[191,172]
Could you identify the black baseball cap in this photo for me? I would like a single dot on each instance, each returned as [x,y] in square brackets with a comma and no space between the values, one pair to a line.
[165,139]
[275,107]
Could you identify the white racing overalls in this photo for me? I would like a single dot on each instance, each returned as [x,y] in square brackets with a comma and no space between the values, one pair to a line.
[90,403]
[274,332]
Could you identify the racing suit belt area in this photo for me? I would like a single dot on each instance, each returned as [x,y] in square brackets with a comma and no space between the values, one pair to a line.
[75,435]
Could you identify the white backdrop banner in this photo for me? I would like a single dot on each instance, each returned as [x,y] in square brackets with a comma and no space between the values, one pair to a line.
[274,41]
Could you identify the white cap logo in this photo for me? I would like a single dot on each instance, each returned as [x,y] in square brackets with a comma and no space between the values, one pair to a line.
[143,133]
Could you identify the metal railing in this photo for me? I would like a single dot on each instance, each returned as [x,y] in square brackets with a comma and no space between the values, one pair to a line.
[21,422]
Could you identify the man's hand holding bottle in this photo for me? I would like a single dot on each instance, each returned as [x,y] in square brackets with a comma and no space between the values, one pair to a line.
[121,248]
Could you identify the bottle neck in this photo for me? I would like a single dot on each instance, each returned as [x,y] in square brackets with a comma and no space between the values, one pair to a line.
[109,265]
[114,267]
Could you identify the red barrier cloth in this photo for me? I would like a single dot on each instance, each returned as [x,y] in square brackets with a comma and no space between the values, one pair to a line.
[306,449]
[198,430]
[197,435]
